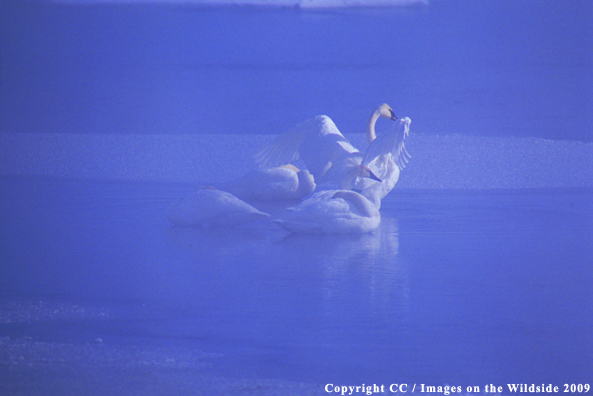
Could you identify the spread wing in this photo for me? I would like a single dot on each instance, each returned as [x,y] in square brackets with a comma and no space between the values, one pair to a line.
[317,142]
[391,142]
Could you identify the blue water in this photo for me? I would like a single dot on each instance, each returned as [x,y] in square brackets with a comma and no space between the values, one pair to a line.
[488,67]
[480,272]
[456,287]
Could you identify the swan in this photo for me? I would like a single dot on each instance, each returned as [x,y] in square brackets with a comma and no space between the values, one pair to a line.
[332,212]
[387,156]
[285,182]
[209,207]
[328,155]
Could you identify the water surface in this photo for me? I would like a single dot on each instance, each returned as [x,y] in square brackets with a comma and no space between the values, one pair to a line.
[456,287]
[482,68]
[101,295]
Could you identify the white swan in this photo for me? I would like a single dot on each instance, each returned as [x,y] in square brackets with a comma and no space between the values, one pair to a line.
[329,156]
[332,212]
[286,182]
[386,156]
[209,207]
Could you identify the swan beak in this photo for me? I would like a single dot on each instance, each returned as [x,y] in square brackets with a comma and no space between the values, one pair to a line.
[393,116]
[374,177]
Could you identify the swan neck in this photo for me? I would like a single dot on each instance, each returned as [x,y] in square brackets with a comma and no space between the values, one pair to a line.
[371,127]
[367,208]
[372,195]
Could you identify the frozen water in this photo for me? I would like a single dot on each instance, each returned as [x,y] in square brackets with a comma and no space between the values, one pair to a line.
[454,161]
[101,294]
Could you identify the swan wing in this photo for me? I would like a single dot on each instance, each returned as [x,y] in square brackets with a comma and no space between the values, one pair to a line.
[390,144]
[265,184]
[323,147]
[286,148]
[360,204]
[317,141]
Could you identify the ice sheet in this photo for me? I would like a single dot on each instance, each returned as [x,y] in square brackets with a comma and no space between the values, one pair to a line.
[451,161]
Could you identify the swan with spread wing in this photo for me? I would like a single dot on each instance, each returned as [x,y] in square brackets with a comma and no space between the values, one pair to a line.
[386,155]
[331,158]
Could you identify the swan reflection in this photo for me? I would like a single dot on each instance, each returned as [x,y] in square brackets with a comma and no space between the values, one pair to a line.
[359,273]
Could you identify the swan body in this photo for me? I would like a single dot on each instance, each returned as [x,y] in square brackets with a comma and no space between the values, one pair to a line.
[331,158]
[332,212]
[209,207]
[272,184]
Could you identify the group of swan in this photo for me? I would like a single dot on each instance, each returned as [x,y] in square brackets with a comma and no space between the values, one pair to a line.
[360,180]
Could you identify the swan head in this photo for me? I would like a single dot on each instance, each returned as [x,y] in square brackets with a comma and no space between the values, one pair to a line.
[365,171]
[345,172]
[386,111]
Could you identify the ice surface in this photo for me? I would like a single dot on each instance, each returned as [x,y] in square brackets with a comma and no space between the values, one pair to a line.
[438,162]
[100,369]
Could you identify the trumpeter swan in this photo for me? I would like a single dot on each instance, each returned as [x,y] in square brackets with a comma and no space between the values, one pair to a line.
[386,155]
[209,207]
[330,157]
[332,212]
[286,182]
